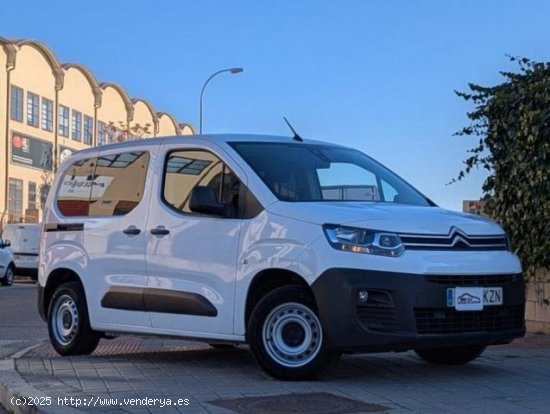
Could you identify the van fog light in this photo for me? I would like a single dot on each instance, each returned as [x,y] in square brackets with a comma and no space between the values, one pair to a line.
[363,296]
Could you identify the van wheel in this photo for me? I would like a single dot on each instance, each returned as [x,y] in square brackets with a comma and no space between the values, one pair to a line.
[458,355]
[7,280]
[286,335]
[68,323]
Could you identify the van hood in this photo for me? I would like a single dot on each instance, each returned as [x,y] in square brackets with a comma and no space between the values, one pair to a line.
[392,217]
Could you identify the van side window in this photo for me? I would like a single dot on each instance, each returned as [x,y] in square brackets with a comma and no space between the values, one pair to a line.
[111,185]
[73,197]
[187,169]
[119,181]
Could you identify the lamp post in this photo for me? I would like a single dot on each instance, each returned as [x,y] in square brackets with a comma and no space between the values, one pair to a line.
[232,71]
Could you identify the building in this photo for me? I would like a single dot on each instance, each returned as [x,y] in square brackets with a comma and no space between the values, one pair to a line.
[474,207]
[49,109]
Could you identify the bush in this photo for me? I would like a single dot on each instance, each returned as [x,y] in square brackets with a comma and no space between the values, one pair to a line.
[512,122]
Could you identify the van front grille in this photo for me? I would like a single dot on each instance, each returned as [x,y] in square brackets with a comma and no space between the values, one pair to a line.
[454,240]
[378,319]
[451,321]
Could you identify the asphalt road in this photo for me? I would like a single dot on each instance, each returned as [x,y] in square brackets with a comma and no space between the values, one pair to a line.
[20,323]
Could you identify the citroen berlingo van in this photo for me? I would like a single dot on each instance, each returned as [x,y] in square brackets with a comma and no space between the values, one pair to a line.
[302,249]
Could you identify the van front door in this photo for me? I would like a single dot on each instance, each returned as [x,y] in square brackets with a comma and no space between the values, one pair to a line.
[191,258]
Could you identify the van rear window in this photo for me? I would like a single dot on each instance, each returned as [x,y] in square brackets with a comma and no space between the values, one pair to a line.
[110,185]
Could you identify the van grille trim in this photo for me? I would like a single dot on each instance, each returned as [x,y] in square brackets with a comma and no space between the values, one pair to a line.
[454,240]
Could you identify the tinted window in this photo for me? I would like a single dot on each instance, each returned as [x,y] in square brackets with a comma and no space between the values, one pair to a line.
[187,169]
[310,172]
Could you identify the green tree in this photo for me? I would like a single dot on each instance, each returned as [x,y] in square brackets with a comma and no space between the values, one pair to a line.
[512,124]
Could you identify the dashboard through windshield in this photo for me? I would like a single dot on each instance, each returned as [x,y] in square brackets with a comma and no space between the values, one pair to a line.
[302,172]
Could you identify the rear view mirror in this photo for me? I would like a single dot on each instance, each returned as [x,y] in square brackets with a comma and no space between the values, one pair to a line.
[203,200]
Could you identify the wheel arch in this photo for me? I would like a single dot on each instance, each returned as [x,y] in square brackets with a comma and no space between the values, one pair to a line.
[55,279]
[267,280]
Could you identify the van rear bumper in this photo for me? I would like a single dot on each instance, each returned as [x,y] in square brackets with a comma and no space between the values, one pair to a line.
[27,271]
[409,311]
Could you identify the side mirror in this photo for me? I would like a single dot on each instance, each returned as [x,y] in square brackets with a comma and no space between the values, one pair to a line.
[6,243]
[203,200]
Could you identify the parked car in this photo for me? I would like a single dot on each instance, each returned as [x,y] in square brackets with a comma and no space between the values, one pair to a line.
[24,238]
[303,249]
[7,265]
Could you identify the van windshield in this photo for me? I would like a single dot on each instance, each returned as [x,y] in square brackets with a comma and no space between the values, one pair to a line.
[312,172]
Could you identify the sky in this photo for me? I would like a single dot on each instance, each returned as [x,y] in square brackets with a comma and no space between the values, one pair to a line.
[378,76]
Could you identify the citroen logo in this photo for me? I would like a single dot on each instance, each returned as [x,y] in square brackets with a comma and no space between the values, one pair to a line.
[458,240]
[458,237]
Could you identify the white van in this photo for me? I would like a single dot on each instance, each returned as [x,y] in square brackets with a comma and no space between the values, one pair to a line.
[7,265]
[24,238]
[302,249]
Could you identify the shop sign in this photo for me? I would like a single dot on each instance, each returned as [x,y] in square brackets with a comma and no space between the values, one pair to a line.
[30,151]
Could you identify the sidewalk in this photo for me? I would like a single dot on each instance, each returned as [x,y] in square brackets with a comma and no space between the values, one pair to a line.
[198,379]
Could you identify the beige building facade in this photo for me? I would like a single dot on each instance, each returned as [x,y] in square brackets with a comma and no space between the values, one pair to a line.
[48,110]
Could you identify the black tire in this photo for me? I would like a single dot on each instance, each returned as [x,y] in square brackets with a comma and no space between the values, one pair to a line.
[458,355]
[68,322]
[287,318]
[9,276]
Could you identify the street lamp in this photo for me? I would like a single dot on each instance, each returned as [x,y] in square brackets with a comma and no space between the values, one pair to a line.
[232,71]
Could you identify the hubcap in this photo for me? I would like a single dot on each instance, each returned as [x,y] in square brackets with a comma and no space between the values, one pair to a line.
[64,320]
[292,335]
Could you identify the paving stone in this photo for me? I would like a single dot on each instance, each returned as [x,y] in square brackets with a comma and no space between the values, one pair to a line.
[506,379]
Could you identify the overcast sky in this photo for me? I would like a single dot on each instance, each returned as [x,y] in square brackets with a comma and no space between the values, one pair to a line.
[375,75]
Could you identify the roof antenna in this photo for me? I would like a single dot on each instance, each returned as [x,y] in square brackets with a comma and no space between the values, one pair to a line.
[296,137]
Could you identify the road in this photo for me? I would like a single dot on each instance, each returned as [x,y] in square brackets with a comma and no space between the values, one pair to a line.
[505,379]
[20,323]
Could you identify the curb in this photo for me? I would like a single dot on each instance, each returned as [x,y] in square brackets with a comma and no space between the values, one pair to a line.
[17,396]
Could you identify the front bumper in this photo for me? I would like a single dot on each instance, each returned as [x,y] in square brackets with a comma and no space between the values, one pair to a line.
[409,311]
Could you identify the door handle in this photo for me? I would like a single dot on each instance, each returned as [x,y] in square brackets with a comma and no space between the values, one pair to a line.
[160,231]
[132,230]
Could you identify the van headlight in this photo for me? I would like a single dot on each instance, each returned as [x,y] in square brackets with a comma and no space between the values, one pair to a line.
[356,240]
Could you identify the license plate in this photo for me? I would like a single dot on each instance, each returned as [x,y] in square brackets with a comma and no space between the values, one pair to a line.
[473,298]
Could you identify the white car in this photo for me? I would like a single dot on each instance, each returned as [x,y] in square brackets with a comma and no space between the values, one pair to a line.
[7,265]
[24,238]
[302,249]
